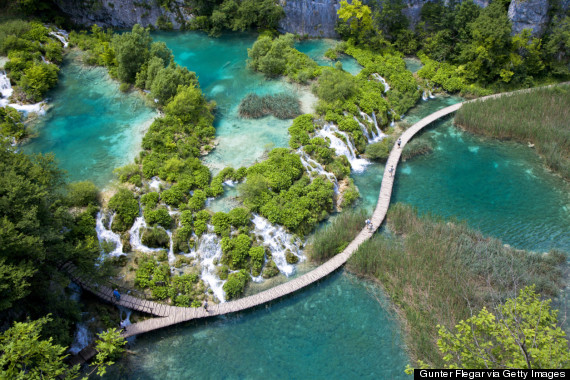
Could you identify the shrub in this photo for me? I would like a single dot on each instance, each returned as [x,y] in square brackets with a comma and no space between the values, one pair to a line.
[270,270]
[235,251]
[236,283]
[155,237]
[257,256]
[81,194]
[239,217]
[221,223]
[379,151]
[126,207]
[150,200]
[160,217]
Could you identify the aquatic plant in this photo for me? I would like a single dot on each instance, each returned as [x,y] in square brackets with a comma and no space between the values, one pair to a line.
[282,106]
[334,237]
[546,110]
[418,146]
[437,271]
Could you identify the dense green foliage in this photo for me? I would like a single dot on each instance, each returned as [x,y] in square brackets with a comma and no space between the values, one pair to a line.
[218,15]
[465,271]
[282,106]
[334,237]
[180,290]
[277,189]
[545,124]
[25,355]
[464,47]
[11,126]
[25,43]
[276,57]
[236,283]
[524,333]
[38,234]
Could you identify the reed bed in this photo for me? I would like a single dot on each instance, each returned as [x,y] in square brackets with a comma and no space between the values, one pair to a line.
[417,147]
[282,106]
[540,116]
[333,239]
[438,272]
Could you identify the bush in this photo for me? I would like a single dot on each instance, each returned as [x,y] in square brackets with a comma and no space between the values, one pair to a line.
[333,238]
[270,270]
[155,237]
[126,207]
[236,251]
[160,217]
[291,258]
[82,194]
[239,217]
[257,256]
[236,283]
[379,151]
[221,223]
[150,200]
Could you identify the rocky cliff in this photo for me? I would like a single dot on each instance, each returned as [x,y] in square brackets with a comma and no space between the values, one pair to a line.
[123,14]
[529,14]
[315,18]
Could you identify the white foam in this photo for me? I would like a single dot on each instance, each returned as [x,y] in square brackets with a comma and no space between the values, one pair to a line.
[104,234]
[381,80]
[278,241]
[341,148]
[313,166]
[209,250]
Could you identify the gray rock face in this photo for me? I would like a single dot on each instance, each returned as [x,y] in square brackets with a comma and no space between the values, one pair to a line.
[123,14]
[315,18]
[529,14]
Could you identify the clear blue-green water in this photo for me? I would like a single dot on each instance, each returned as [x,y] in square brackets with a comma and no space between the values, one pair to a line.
[413,64]
[338,329]
[91,126]
[316,49]
[220,64]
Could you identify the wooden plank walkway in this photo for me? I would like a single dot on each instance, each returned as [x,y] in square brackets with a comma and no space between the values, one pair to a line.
[171,315]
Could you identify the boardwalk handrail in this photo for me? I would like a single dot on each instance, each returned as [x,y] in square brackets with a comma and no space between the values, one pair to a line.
[172,315]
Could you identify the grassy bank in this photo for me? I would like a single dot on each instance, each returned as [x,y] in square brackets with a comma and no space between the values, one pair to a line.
[437,272]
[334,238]
[546,113]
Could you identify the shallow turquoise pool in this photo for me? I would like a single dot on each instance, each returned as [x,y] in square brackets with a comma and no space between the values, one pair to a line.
[91,126]
[337,329]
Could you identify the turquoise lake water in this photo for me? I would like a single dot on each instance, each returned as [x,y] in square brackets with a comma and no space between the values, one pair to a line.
[338,329]
[91,126]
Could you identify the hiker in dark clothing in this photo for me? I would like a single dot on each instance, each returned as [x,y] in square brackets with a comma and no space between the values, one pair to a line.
[117,295]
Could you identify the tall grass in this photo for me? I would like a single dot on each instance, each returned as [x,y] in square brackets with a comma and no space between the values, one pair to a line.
[282,106]
[540,116]
[417,147]
[334,238]
[438,272]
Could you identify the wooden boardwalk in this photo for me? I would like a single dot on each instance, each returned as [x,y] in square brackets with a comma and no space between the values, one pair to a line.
[171,315]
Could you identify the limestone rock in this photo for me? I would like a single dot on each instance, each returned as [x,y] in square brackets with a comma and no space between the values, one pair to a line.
[529,14]
[315,18]
[123,14]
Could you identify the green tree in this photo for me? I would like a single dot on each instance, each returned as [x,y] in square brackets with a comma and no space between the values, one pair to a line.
[38,79]
[358,17]
[523,333]
[132,51]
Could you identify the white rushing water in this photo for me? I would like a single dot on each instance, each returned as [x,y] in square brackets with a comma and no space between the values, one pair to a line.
[209,250]
[105,234]
[62,36]
[278,241]
[375,135]
[312,166]
[81,339]
[7,91]
[154,184]
[136,244]
[341,148]
[381,80]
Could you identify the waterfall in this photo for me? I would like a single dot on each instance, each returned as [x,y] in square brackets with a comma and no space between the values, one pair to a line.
[341,148]
[230,183]
[6,91]
[424,96]
[82,338]
[210,250]
[312,165]
[431,95]
[381,80]
[379,135]
[104,234]
[137,245]
[61,36]
[278,241]
[154,184]
[127,312]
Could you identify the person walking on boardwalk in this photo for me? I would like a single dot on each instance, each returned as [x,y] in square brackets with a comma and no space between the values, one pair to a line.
[206,306]
[391,170]
[117,294]
[399,142]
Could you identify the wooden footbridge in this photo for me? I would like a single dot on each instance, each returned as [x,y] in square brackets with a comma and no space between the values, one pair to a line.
[171,315]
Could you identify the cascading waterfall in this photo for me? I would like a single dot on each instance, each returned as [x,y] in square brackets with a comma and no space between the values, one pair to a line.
[209,250]
[6,90]
[82,338]
[381,80]
[341,148]
[61,36]
[312,166]
[424,96]
[104,234]
[278,241]
[154,184]
[126,321]
[137,245]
